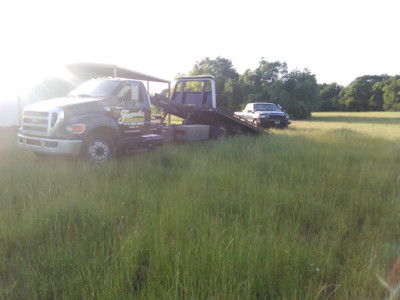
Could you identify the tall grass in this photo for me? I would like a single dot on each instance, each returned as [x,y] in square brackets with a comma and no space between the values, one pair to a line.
[311,212]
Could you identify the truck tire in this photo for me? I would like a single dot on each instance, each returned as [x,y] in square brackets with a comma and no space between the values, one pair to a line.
[98,148]
[219,133]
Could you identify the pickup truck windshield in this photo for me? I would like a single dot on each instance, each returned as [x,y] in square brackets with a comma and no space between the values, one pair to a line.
[95,89]
[265,107]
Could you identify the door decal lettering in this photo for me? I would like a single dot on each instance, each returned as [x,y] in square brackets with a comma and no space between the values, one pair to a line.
[131,118]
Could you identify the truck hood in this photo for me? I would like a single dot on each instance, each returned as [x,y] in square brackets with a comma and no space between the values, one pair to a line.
[63,102]
[270,112]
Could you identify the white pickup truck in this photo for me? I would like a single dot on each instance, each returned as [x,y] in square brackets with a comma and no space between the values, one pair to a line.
[265,114]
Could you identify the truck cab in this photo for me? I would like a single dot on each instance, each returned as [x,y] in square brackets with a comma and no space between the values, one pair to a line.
[97,120]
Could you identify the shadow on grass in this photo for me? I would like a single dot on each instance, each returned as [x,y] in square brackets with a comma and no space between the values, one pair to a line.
[8,140]
[7,132]
[355,119]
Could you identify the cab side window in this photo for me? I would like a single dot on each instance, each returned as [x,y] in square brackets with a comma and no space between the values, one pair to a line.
[136,95]
[128,93]
[125,94]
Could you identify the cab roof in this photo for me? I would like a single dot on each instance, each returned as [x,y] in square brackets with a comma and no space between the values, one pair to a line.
[86,71]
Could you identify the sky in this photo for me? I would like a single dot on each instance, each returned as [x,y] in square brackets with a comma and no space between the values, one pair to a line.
[336,40]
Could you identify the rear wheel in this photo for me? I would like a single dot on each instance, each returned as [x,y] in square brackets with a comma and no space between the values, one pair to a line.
[99,148]
[219,133]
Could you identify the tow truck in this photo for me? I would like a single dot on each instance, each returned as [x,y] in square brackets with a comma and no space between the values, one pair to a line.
[102,118]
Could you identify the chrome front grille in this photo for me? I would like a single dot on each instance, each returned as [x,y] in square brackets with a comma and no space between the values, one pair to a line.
[41,123]
[274,117]
[35,121]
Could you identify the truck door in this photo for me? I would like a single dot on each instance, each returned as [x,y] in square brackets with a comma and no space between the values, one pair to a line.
[249,112]
[132,114]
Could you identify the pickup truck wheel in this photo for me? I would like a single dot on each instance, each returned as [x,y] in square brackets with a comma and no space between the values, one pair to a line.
[99,148]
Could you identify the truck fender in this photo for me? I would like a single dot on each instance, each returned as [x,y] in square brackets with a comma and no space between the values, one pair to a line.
[99,123]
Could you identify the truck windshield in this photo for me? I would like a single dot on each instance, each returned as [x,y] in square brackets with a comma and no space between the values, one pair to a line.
[265,107]
[95,89]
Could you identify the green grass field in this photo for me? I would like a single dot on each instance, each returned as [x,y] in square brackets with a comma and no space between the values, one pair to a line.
[312,212]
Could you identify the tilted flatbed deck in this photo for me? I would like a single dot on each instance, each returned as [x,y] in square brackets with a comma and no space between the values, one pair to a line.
[194,114]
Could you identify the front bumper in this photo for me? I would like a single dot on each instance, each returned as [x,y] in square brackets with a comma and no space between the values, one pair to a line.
[274,123]
[50,146]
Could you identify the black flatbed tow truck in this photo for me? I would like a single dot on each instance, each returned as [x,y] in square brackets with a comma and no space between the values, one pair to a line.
[105,117]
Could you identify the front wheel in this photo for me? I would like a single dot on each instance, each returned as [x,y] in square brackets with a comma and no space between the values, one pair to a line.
[98,148]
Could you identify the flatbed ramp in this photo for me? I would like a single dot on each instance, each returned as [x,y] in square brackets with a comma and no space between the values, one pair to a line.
[193,114]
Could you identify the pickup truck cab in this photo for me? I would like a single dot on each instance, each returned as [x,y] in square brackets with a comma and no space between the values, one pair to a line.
[265,115]
[97,120]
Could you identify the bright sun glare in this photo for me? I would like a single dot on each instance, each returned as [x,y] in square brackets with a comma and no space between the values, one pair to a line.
[28,75]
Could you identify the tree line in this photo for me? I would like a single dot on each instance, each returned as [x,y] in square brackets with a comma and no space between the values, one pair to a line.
[297,91]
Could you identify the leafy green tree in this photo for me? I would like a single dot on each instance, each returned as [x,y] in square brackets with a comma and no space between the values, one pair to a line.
[226,80]
[303,90]
[357,96]
[375,102]
[268,72]
[219,67]
[233,94]
[391,94]
[297,91]
[328,97]
[250,88]
[256,84]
